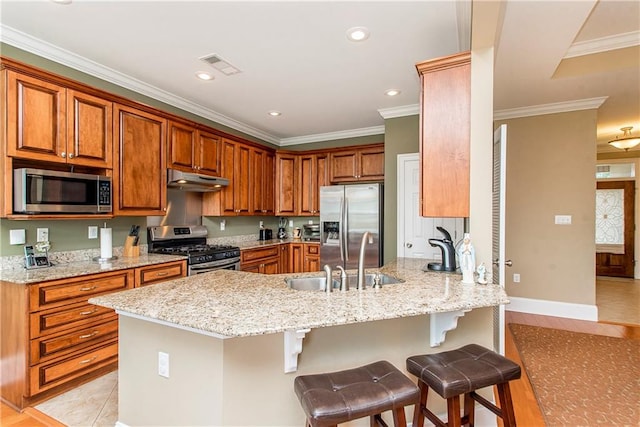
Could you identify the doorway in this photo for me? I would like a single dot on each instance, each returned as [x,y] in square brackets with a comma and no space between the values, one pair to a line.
[615,226]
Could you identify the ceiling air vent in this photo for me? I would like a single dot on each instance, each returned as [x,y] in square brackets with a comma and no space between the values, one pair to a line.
[220,64]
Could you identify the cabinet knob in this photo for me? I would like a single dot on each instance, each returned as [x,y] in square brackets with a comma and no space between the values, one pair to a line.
[71,155]
[63,155]
[409,245]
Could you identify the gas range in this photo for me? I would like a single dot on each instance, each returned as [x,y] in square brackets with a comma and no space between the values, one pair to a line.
[191,241]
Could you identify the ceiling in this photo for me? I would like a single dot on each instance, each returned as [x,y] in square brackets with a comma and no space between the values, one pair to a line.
[294,57]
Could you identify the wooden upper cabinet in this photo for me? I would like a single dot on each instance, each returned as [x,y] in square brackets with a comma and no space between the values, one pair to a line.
[286,173]
[208,153]
[313,174]
[445,116]
[357,164]
[47,122]
[141,176]
[193,150]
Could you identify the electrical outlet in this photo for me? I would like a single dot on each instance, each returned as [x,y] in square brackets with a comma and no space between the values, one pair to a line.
[290,223]
[42,235]
[261,224]
[516,277]
[93,232]
[223,225]
[163,364]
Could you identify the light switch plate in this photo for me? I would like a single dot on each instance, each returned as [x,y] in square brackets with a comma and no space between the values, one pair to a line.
[563,219]
[42,235]
[17,237]
[93,232]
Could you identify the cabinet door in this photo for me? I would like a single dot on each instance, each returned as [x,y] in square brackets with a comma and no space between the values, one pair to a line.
[307,180]
[242,180]
[445,136]
[343,166]
[371,164]
[182,141]
[284,258]
[257,175]
[271,266]
[268,184]
[286,167]
[311,264]
[141,178]
[36,125]
[208,154]
[296,258]
[89,130]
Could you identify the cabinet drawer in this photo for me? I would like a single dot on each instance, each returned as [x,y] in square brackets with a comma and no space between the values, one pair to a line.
[159,273]
[48,375]
[256,254]
[48,347]
[60,292]
[59,319]
[312,249]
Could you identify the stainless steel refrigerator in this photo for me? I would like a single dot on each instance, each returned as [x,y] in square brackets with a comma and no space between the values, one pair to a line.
[346,212]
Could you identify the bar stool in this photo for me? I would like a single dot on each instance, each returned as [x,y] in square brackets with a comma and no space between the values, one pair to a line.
[462,371]
[332,398]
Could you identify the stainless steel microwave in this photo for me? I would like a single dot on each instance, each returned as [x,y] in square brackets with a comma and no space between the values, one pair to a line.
[38,191]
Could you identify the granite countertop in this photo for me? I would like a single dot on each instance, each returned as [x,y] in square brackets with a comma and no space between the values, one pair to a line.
[237,304]
[79,268]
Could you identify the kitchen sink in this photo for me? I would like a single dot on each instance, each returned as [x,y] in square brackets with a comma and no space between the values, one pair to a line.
[309,283]
[319,283]
[368,279]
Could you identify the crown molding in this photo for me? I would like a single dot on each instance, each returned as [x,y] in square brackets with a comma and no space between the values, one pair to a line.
[553,108]
[402,111]
[54,53]
[330,136]
[604,44]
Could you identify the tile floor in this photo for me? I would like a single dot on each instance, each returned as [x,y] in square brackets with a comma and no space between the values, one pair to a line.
[92,404]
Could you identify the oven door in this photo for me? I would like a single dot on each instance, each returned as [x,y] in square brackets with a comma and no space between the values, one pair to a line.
[223,264]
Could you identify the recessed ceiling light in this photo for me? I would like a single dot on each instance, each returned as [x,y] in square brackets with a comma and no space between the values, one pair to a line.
[392,92]
[357,34]
[275,113]
[204,76]
[62,1]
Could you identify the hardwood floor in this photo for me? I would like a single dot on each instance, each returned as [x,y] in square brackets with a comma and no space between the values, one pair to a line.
[30,417]
[525,405]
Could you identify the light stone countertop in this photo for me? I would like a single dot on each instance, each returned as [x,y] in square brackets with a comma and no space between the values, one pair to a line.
[236,304]
[79,268]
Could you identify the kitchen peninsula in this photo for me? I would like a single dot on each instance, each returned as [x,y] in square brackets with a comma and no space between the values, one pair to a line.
[228,335]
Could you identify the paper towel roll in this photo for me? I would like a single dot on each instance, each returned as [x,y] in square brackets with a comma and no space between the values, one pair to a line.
[106,247]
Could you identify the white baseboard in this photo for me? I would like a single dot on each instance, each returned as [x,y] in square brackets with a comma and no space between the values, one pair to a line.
[553,308]
[119,424]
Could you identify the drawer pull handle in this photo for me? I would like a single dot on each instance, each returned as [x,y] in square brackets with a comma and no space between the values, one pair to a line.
[162,273]
[86,313]
[90,288]
[84,362]
[92,334]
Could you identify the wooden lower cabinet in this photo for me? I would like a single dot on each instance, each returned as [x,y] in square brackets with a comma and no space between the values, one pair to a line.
[304,257]
[265,260]
[53,340]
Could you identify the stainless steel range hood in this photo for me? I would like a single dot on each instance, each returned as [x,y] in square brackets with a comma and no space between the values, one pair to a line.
[194,182]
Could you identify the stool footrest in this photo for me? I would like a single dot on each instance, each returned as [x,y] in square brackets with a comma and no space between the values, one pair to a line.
[487,404]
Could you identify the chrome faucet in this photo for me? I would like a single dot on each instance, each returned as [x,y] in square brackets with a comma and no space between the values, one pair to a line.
[329,286]
[360,277]
[344,284]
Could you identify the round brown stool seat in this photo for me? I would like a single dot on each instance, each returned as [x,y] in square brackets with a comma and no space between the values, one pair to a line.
[333,398]
[462,371]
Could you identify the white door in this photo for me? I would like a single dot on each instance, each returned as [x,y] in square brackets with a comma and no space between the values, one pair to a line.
[498,243]
[414,230]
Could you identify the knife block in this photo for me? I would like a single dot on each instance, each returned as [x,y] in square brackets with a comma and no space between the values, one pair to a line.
[129,249]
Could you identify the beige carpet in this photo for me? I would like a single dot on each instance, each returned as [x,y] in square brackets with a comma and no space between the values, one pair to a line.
[581,379]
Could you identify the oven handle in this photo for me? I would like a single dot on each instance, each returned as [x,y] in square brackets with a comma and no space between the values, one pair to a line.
[217,265]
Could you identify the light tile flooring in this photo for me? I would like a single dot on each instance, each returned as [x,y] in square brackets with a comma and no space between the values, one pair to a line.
[96,403]
[618,300]
[92,404]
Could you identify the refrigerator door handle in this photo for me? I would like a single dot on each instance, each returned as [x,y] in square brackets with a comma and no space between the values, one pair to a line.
[341,230]
[345,234]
